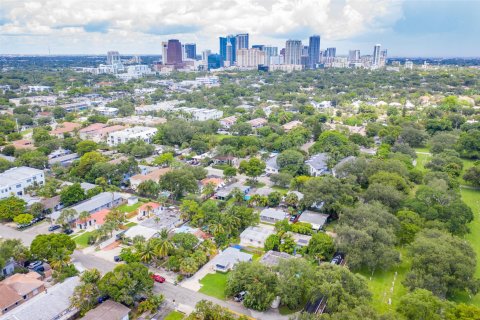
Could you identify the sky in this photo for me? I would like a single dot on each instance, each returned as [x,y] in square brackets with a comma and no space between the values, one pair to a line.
[407,28]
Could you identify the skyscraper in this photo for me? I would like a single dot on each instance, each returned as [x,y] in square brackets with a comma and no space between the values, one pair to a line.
[232,40]
[258,46]
[270,51]
[242,41]
[293,52]
[330,54]
[174,52]
[164,52]
[354,55]
[113,57]
[190,50]
[376,55]
[215,61]
[250,58]
[313,51]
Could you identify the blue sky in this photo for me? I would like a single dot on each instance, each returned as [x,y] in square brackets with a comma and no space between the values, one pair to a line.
[405,27]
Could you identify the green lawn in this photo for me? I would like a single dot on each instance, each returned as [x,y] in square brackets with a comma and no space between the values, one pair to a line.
[127,209]
[382,282]
[82,240]
[131,224]
[422,159]
[285,311]
[174,315]
[283,191]
[214,284]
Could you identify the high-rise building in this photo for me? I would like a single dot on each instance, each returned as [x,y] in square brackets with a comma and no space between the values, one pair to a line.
[270,51]
[205,54]
[383,58]
[376,55]
[293,52]
[354,55]
[313,51]
[330,54]
[258,46]
[242,41]
[229,62]
[174,52]
[164,52]
[113,57]
[215,61]
[250,58]
[190,51]
[232,40]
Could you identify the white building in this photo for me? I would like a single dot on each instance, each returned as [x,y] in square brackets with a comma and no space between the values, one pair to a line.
[107,111]
[208,81]
[15,180]
[135,133]
[201,114]
[33,89]
[285,67]
[228,122]
[293,52]
[255,236]
[250,58]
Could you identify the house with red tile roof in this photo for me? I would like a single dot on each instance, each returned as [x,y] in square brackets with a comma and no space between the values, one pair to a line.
[65,127]
[95,220]
[148,209]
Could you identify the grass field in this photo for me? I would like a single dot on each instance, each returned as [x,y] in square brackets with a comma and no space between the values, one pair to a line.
[127,209]
[386,286]
[82,240]
[130,224]
[214,284]
[174,315]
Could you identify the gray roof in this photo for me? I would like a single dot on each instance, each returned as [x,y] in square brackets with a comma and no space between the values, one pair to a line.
[313,217]
[318,161]
[272,162]
[273,258]
[273,213]
[231,256]
[93,203]
[108,310]
[51,304]
[66,158]
[14,175]
[8,158]
[256,233]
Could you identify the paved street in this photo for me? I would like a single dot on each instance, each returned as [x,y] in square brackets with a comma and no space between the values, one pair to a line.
[11,233]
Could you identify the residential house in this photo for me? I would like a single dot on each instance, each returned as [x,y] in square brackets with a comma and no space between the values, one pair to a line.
[16,180]
[290,125]
[255,236]
[135,133]
[148,121]
[19,288]
[272,258]
[99,132]
[317,220]
[23,144]
[272,215]
[64,160]
[95,220]
[108,310]
[318,165]
[140,230]
[228,122]
[257,122]
[230,160]
[271,166]
[152,175]
[216,182]
[225,192]
[53,304]
[94,204]
[149,209]
[65,127]
[8,268]
[228,258]
[301,240]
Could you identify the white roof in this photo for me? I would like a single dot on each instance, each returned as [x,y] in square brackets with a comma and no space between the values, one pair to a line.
[256,233]
[48,305]
[313,218]
[273,213]
[15,175]
[139,230]
[231,256]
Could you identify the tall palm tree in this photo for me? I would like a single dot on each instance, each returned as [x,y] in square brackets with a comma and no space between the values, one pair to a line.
[83,217]
[163,247]
[216,228]
[147,252]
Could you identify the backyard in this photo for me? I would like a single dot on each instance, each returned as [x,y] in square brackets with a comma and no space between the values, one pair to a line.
[214,284]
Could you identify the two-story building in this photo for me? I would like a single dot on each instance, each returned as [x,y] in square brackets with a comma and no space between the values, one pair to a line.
[14,181]
[136,133]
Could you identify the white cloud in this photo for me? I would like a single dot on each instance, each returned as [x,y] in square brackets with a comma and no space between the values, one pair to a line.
[135,26]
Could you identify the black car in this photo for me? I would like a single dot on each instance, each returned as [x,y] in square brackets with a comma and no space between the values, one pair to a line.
[117,259]
[35,264]
[240,296]
[54,227]
[68,231]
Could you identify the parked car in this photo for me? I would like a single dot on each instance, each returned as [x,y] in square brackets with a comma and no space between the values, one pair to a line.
[54,227]
[117,258]
[102,298]
[39,268]
[157,278]
[68,231]
[240,296]
[338,258]
[35,264]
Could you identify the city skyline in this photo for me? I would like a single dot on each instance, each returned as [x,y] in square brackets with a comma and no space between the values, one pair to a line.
[407,28]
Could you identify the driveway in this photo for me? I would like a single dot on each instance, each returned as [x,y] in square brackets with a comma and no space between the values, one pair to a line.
[193,283]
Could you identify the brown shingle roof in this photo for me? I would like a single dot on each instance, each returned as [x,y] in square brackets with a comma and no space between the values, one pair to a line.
[8,296]
[24,283]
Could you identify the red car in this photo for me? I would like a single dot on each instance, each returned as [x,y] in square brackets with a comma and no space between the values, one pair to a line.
[157,278]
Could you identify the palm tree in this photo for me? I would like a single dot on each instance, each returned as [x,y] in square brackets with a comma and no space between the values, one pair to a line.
[216,228]
[83,217]
[208,190]
[147,252]
[163,247]
[66,217]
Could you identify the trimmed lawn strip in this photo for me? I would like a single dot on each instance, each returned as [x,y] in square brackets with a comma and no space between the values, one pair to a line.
[174,315]
[82,240]
[213,284]
[127,209]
